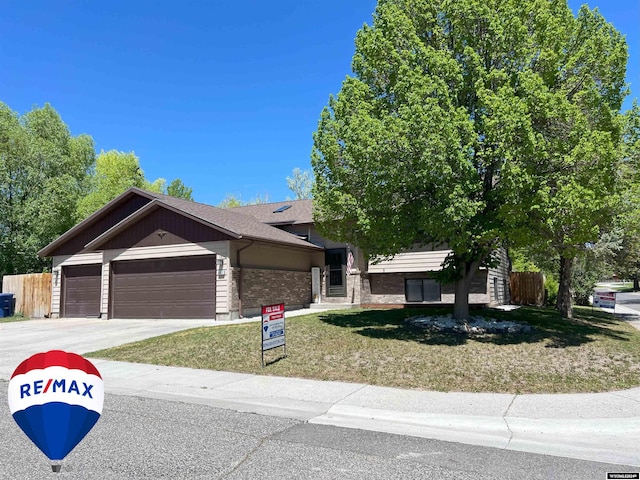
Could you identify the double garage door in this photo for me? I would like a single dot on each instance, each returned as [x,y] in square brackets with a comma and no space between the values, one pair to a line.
[180,287]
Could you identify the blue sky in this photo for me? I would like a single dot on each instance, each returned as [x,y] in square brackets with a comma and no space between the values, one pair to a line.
[222,94]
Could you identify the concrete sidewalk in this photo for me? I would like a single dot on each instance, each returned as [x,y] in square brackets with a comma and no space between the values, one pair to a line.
[602,427]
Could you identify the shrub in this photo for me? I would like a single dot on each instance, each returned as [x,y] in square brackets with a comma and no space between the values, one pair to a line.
[551,286]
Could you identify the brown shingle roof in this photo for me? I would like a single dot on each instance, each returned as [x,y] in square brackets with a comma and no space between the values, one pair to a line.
[301,211]
[235,220]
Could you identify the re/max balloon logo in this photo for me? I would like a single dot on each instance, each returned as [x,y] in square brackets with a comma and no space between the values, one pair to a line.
[56,397]
[35,388]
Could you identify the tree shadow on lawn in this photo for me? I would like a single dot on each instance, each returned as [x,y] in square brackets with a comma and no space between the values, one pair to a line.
[547,325]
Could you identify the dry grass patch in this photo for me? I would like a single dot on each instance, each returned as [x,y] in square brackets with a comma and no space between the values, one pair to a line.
[595,352]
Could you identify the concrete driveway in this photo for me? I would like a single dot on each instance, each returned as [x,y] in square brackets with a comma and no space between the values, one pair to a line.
[20,340]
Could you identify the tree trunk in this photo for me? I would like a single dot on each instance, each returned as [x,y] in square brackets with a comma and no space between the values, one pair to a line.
[636,284]
[466,271]
[461,300]
[564,303]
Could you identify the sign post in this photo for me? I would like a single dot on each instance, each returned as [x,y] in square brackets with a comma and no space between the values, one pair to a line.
[604,299]
[273,328]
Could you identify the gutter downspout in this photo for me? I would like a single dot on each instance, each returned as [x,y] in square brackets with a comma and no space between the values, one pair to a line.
[240,278]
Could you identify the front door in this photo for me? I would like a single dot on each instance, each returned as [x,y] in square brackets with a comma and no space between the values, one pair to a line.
[336,261]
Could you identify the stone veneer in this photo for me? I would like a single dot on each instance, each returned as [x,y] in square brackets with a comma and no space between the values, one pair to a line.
[353,290]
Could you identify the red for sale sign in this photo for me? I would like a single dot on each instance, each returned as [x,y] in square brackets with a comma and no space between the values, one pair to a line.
[604,299]
[273,326]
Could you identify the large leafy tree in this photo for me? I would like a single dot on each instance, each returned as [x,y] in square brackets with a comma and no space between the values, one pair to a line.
[438,135]
[115,172]
[627,260]
[43,173]
[575,113]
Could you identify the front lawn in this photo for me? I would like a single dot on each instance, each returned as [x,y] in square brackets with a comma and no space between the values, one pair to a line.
[594,352]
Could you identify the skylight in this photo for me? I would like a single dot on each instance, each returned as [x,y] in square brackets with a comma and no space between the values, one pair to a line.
[282,209]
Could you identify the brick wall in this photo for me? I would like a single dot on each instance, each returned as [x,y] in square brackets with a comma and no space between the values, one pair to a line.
[389,288]
[264,287]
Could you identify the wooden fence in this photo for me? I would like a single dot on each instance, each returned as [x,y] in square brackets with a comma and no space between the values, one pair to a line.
[527,288]
[32,293]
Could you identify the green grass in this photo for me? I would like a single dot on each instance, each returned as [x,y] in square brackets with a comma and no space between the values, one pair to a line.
[14,318]
[594,352]
[622,287]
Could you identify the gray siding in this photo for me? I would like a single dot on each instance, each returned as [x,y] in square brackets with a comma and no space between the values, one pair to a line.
[498,279]
[420,259]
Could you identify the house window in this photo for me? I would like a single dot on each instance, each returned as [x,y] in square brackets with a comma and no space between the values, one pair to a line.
[422,290]
[336,261]
[495,288]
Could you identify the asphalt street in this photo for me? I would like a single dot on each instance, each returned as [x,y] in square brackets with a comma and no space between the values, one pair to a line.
[629,300]
[169,422]
[149,438]
[628,307]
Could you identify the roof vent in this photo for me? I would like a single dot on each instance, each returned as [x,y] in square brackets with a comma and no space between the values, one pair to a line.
[282,209]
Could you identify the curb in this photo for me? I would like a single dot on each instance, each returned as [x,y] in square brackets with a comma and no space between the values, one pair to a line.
[610,440]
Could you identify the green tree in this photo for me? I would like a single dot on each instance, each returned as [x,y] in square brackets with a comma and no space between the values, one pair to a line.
[521,261]
[627,260]
[575,111]
[230,201]
[438,136]
[178,189]
[301,183]
[43,173]
[595,265]
[113,174]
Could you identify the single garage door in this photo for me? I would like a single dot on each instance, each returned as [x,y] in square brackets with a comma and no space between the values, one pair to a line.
[81,290]
[181,287]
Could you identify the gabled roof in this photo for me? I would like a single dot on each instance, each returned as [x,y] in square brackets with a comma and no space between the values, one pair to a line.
[299,212]
[139,214]
[91,219]
[234,220]
[234,223]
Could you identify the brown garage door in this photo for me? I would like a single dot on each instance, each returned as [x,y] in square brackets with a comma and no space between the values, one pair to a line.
[182,287]
[81,290]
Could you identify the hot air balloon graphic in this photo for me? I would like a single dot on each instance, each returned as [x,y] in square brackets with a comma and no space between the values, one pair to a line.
[56,397]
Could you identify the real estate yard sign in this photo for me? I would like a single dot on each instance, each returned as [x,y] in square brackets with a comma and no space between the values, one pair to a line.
[604,299]
[273,328]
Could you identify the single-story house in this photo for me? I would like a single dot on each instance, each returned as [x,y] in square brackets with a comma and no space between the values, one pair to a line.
[147,255]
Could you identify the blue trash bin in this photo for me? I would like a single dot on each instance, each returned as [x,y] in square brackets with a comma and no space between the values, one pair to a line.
[6,304]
